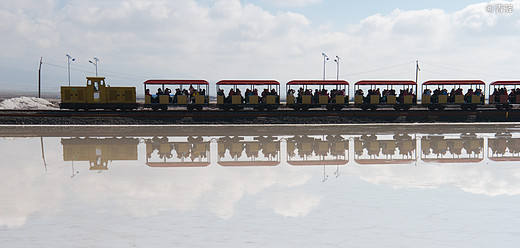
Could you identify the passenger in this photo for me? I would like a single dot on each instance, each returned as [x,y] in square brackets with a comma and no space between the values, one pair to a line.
[147,92]
[159,92]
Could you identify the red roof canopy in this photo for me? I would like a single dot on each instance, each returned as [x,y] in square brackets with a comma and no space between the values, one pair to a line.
[454,82]
[506,83]
[248,82]
[386,82]
[175,81]
[317,82]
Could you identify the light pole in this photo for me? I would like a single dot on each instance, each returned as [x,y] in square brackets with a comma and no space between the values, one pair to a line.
[69,58]
[337,67]
[94,63]
[325,58]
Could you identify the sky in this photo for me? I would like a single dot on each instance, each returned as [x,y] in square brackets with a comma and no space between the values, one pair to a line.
[136,40]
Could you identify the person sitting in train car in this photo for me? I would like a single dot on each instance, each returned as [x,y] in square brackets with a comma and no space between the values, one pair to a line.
[167,92]
[221,92]
[247,94]
[301,92]
[467,96]
[159,92]
[203,92]
[290,92]
[178,92]
[147,92]
[238,92]
[386,93]
[230,94]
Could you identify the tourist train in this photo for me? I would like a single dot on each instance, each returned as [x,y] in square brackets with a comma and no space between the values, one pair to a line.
[300,95]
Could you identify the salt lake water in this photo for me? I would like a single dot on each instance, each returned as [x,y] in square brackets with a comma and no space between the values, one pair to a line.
[261,186]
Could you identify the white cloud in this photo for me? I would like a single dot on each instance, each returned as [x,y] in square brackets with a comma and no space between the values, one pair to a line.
[293,3]
[230,39]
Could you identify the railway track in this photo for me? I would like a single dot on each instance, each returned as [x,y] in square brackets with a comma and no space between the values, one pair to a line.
[348,115]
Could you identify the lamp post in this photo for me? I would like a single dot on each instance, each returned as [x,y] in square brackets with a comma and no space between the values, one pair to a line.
[337,67]
[95,63]
[69,58]
[325,58]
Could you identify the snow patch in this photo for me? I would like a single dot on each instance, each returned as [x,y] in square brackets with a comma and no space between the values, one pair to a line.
[26,103]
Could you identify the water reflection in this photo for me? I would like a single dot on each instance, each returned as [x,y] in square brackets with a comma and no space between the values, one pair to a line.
[503,147]
[466,148]
[248,151]
[397,149]
[192,151]
[300,150]
[99,151]
[204,179]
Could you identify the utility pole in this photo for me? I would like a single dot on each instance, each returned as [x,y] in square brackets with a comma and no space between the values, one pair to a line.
[40,79]
[325,58]
[417,69]
[337,67]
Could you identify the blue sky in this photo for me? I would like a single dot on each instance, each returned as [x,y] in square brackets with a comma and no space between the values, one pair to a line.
[137,40]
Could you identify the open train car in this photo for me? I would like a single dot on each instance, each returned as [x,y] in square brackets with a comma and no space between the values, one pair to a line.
[267,99]
[440,98]
[376,98]
[97,95]
[500,96]
[329,94]
[192,94]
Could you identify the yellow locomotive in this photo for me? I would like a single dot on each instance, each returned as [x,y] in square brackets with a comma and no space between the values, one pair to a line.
[97,95]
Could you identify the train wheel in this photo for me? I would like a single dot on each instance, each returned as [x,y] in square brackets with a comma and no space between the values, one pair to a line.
[330,107]
[474,107]
[199,108]
[113,108]
[164,108]
[296,108]
[441,107]
[236,108]
[76,109]
[464,107]
[338,108]
[397,107]
[269,108]
[155,108]
[406,108]
[509,107]
[190,108]
[373,108]
[365,108]
[305,108]
[431,108]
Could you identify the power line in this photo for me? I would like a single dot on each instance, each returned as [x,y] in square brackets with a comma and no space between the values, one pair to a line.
[377,69]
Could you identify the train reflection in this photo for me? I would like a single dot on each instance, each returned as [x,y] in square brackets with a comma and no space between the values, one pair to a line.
[321,150]
[301,150]
[248,151]
[463,149]
[372,150]
[99,151]
[189,152]
[503,147]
